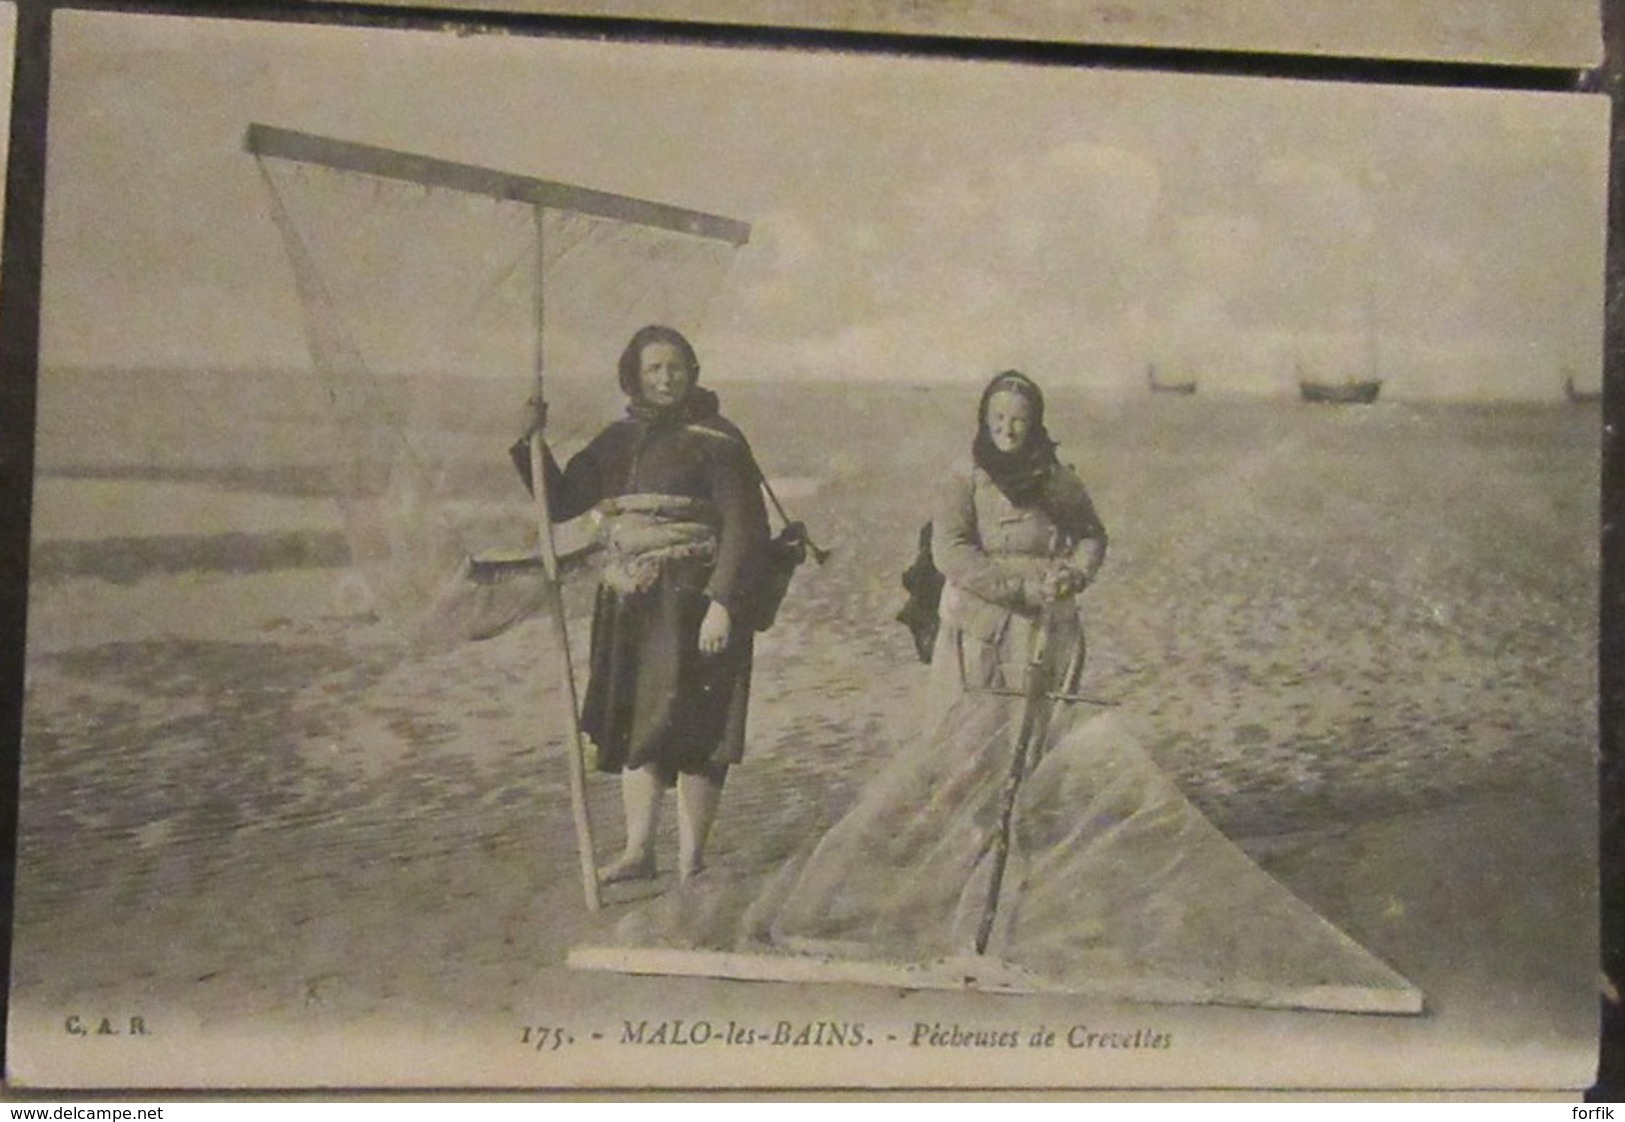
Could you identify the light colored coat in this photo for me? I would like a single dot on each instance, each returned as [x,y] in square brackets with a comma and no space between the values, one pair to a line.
[994,555]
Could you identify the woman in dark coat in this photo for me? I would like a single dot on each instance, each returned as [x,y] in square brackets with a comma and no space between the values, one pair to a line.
[685,530]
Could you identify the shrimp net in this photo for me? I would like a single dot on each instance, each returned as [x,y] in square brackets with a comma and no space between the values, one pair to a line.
[435,297]
[1111,884]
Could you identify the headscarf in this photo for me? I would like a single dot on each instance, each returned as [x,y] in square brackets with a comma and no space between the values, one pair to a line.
[697,404]
[1019,475]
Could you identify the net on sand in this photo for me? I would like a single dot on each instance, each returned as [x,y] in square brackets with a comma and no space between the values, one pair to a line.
[1117,888]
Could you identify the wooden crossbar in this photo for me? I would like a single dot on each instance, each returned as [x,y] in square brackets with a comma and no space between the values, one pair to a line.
[389,163]
[979,974]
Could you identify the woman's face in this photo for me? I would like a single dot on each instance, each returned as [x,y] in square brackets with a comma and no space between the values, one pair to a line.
[1009,419]
[664,379]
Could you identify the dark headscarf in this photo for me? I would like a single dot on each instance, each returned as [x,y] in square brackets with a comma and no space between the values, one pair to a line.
[697,405]
[1021,474]
[631,364]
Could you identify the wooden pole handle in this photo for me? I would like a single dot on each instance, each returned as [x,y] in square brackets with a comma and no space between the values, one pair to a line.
[576,749]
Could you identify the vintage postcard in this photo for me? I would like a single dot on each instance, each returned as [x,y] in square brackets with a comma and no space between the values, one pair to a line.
[1557,33]
[597,564]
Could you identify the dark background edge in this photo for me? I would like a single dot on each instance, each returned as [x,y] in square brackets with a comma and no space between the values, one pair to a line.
[20,322]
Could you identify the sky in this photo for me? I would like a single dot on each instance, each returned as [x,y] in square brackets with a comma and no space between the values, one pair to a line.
[912,219]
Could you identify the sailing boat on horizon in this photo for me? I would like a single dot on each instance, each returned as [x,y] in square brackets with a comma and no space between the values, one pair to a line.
[1185,388]
[1350,390]
[1579,397]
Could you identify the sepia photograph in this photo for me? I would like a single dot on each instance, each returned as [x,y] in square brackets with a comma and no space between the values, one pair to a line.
[597,563]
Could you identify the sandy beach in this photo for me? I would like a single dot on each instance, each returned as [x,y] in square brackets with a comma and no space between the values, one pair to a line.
[1361,640]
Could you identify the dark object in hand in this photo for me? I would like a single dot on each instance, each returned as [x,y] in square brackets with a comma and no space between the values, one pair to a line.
[785,553]
[923,582]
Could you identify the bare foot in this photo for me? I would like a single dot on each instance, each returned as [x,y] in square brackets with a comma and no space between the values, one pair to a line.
[627,868]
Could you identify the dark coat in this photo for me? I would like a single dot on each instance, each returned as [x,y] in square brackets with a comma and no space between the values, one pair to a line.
[652,697]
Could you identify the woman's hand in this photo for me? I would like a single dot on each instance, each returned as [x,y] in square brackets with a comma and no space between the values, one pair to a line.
[715,629]
[1062,582]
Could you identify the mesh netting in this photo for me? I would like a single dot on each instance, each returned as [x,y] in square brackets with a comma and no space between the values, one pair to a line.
[1085,871]
[1117,888]
[430,312]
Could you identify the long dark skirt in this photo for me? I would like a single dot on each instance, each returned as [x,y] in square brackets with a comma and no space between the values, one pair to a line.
[652,697]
